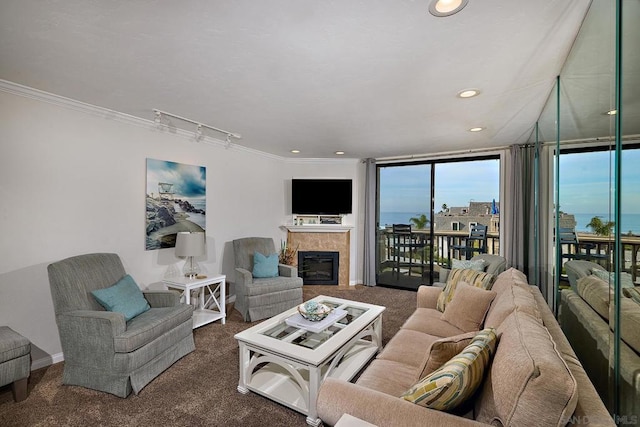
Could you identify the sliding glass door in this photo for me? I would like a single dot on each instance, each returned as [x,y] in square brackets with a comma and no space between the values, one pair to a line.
[404,225]
[425,213]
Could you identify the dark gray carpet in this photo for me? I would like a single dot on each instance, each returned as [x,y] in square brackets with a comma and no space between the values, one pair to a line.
[198,390]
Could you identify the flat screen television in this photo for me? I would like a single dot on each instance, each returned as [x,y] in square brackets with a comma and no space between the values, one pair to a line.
[321,196]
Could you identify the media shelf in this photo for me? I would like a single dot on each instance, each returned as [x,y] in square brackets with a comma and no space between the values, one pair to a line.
[317,220]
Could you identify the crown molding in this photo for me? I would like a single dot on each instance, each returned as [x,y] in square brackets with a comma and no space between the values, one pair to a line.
[108,114]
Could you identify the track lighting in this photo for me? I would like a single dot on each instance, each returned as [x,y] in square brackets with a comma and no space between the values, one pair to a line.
[198,134]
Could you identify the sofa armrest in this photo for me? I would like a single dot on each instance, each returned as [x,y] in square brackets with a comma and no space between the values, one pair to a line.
[243,277]
[428,296]
[339,397]
[287,270]
[162,298]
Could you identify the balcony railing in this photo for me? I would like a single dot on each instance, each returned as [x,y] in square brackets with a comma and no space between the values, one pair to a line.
[443,246]
[591,247]
[600,249]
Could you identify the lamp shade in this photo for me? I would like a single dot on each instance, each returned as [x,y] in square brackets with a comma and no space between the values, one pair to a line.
[189,244]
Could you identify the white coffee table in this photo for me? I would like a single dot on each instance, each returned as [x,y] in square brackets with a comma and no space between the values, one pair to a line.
[287,364]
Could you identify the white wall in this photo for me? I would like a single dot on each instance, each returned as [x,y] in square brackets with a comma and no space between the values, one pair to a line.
[72,181]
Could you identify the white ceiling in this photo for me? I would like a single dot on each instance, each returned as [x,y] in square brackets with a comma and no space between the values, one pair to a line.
[375,78]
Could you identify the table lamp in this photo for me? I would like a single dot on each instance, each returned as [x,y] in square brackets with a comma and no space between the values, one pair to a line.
[190,245]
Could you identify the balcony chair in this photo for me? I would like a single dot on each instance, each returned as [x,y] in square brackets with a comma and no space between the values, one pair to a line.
[404,241]
[262,297]
[475,242]
[101,350]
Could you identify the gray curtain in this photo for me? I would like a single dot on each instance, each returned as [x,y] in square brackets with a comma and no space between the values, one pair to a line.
[369,274]
[519,213]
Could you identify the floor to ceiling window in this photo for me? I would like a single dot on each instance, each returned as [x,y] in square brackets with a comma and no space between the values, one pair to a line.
[425,211]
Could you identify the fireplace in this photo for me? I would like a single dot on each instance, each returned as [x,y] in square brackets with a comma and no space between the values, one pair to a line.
[318,268]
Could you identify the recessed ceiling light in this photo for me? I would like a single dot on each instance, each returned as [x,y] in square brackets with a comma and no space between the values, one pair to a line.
[339,153]
[476,129]
[446,7]
[295,151]
[468,93]
[612,112]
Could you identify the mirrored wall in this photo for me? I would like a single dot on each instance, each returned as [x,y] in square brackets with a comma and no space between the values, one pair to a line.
[591,125]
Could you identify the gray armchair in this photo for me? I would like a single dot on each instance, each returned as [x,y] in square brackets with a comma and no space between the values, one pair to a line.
[101,350]
[494,264]
[259,298]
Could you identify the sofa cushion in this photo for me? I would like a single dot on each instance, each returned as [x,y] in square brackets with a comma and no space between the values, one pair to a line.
[408,347]
[468,307]
[509,298]
[526,367]
[454,382]
[510,277]
[632,293]
[442,350]
[265,266]
[629,322]
[595,292]
[429,321]
[388,376]
[123,297]
[472,277]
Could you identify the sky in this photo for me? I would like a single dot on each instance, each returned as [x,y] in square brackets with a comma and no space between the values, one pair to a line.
[586,182]
[407,188]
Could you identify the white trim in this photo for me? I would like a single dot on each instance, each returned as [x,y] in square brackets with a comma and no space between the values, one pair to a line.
[47,361]
[105,113]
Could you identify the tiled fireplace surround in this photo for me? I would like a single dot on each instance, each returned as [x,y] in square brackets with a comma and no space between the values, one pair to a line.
[325,241]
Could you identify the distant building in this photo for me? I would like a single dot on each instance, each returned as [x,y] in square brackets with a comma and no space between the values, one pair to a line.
[464,217]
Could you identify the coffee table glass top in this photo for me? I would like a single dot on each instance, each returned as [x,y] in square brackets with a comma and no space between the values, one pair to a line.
[315,344]
[298,336]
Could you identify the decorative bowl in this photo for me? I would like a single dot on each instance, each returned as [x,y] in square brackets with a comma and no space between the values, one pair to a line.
[313,311]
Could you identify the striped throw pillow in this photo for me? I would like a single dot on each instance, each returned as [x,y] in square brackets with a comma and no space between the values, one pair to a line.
[453,383]
[478,279]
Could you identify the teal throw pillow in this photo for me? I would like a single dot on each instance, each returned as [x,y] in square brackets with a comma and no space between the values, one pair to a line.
[265,266]
[124,297]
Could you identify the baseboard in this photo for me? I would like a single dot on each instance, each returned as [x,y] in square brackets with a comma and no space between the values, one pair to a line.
[47,361]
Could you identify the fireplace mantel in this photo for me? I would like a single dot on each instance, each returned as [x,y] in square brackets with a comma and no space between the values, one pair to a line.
[318,228]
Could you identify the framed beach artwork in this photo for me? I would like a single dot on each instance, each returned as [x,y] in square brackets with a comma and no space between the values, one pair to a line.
[176,201]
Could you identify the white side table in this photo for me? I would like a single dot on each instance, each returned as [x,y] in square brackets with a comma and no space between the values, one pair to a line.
[210,309]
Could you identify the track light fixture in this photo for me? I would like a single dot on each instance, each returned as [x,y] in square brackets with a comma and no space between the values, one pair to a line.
[199,132]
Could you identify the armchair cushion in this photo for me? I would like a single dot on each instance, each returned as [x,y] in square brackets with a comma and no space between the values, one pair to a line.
[150,325]
[265,265]
[124,297]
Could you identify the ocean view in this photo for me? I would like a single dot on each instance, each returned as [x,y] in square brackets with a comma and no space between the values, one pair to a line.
[630,222]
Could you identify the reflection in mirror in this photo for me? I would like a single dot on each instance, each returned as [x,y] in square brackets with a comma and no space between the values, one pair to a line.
[604,335]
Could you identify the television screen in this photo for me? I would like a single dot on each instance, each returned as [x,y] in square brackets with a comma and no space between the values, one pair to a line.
[321,196]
